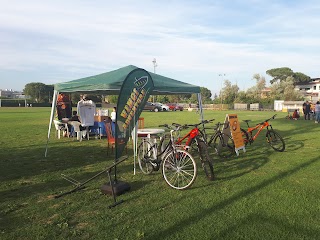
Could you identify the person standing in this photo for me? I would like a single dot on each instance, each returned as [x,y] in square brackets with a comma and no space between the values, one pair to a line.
[306,110]
[317,110]
[113,119]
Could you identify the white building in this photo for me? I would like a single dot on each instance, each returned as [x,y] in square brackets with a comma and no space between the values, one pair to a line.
[9,93]
[310,90]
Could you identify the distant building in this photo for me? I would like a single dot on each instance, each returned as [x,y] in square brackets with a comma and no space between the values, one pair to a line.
[310,90]
[9,93]
[265,93]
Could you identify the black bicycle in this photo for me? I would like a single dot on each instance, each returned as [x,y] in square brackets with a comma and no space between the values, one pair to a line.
[220,140]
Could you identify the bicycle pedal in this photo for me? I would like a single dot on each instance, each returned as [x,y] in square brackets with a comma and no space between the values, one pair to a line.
[156,167]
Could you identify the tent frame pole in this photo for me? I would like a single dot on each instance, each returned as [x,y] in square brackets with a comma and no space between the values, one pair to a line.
[53,108]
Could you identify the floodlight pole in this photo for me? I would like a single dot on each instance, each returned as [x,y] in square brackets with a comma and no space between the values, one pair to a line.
[154,61]
[222,76]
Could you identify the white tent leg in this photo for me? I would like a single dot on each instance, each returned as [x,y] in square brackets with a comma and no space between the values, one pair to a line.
[53,107]
[135,145]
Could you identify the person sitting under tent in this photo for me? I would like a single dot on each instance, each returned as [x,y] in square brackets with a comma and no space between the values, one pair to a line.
[75,118]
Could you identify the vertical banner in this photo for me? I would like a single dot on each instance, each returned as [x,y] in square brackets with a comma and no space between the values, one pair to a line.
[236,134]
[134,94]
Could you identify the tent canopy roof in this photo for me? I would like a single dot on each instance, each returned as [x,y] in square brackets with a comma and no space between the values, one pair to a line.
[111,82]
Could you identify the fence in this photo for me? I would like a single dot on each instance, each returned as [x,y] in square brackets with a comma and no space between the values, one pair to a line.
[254,106]
[240,106]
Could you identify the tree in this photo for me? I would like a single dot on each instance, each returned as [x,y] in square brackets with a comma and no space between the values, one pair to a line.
[254,93]
[36,91]
[289,94]
[242,97]
[112,99]
[47,93]
[285,90]
[300,77]
[281,74]
[205,96]
[229,92]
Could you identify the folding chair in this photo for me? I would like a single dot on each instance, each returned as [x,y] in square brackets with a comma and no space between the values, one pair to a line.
[60,127]
[76,130]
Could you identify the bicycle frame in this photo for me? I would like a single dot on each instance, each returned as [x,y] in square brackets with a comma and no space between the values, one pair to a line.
[259,127]
[193,133]
[189,136]
[154,147]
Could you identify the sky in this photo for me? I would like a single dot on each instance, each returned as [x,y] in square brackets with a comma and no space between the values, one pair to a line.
[201,42]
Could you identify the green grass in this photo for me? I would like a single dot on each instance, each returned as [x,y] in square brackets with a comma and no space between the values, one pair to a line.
[261,194]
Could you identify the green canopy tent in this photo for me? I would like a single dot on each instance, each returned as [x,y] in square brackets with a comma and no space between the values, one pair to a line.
[110,83]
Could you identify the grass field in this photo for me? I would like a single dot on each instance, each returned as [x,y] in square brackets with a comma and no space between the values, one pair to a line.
[261,194]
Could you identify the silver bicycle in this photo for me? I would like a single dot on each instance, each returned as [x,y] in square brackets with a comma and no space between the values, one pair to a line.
[179,169]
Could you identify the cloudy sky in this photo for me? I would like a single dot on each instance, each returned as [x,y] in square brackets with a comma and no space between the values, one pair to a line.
[192,40]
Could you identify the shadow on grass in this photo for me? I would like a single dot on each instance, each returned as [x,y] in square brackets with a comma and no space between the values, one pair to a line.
[179,226]
[30,162]
[260,221]
[237,166]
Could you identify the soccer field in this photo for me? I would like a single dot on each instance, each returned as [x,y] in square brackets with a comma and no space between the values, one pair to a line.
[260,194]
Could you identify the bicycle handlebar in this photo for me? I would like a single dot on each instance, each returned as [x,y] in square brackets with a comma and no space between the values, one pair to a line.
[174,126]
[177,126]
[268,119]
[202,122]
[225,125]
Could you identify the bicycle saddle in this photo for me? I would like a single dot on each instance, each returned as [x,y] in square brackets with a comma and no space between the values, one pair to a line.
[246,121]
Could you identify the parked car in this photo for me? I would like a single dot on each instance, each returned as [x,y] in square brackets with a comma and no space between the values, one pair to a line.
[152,107]
[175,107]
[164,107]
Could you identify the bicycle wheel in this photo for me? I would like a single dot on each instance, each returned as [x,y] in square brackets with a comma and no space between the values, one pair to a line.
[206,161]
[223,145]
[145,156]
[179,169]
[245,136]
[275,140]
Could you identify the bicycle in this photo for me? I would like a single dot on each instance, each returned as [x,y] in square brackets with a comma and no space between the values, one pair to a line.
[273,138]
[193,137]
[178,166]
[221,142]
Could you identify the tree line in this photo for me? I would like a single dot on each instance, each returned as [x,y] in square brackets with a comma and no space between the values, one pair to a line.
[282,87]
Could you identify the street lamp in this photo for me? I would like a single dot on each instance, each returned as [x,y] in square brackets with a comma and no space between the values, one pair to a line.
[222,76]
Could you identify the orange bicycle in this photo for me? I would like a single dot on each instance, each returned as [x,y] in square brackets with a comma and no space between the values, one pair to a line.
[273,138]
